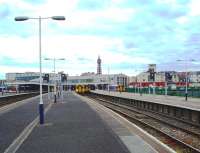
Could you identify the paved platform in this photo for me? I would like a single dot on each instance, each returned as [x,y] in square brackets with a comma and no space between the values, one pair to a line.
[192,103]
[71,126]
[136,139]
[14,119]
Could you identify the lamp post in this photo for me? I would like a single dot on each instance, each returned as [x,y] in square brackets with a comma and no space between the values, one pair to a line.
[186,77]
[54,65]
[23,18]
[139,86]
[108,79]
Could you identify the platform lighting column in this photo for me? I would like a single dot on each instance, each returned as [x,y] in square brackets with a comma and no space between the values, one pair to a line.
[23,18]
[154,87]
[48,90]
[62,85]
[54,78]
[54,65]
[186,77]
[186,81]
[108,79]
[41,105]
[166,82]
[165,88]
[149,89]
[135,89]
[140,88]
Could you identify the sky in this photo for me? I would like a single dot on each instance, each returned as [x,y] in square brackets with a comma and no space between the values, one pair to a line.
[126,34]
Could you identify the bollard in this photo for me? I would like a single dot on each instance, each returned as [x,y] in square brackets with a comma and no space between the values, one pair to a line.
[186,96]
[41,111]
[54,98]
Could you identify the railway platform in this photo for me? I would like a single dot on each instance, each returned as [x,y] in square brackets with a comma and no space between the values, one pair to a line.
[15,117]
[73,125]
[191,103]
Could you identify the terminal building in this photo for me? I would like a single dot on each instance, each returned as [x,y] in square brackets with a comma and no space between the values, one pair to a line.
[101,81]
[154,78]
[95,80]
[30,76]
[2,85]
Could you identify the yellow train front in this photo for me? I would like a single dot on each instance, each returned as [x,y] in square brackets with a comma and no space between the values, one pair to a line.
[120,88]
[82,89]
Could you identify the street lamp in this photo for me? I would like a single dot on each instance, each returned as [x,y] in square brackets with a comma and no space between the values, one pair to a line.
[108,79]
[54,63]
[186,77]
[140,88]
[23,18]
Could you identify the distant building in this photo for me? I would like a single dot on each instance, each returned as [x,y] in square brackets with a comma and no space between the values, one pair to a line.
[87,73]
[99,70]
[132,79]
[194,76]
[142,77]
[152,67]
[27,76]
[31,76]
[112,80]
[160,78]
[2,83]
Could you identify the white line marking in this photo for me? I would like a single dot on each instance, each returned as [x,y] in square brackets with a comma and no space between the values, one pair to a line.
[24,134]
[117,118]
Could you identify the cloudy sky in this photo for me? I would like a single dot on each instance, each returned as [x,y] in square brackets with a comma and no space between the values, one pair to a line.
[127,34]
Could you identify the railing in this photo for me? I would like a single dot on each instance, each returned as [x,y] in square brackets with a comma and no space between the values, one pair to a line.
[192,92]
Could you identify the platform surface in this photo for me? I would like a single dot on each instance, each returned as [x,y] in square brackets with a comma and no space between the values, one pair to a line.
[71,126]
[192,103]
[13,121]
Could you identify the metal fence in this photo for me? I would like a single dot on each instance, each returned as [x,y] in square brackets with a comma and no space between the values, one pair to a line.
[179,91]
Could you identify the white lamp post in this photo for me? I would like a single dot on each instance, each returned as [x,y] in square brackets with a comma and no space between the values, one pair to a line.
[23,18]
[54,65]
[186,77]
[108,79]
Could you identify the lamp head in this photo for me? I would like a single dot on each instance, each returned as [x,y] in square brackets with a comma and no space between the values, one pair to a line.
[58,17]
[21,18]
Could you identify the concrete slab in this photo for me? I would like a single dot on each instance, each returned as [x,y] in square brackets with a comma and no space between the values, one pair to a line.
[137,145]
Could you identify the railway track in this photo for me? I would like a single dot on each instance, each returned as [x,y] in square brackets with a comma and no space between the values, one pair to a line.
[182,137]
[15,98]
